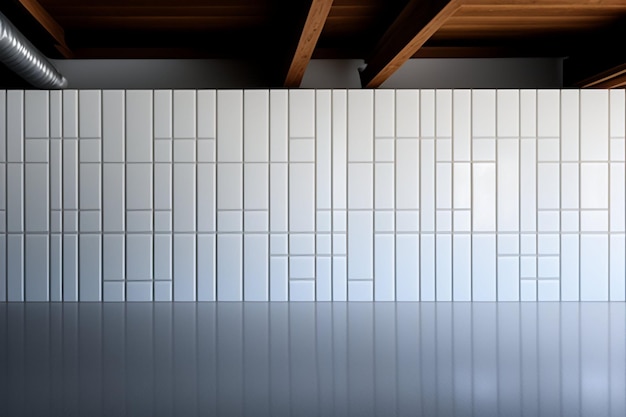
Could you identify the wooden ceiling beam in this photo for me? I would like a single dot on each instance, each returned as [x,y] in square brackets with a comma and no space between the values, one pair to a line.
[307,40]
[49,24]
[417,22]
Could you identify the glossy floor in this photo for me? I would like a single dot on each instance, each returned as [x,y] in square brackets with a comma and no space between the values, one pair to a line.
[306,359]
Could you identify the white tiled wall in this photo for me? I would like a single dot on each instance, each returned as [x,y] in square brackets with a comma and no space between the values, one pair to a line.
[468,195]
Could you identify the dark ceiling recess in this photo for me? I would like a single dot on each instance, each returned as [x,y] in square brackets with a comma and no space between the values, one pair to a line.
[284,35]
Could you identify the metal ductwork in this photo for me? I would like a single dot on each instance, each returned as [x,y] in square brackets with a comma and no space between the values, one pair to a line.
[21,56]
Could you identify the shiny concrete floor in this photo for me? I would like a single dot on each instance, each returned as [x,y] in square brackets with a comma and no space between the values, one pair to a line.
[306,359]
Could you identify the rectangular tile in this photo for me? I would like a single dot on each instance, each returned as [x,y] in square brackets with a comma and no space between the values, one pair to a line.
[113,257]
[37,278]
[229,221]
[507,113]
[444,150]
[256,221]
[510,244]
[229,186]
[36,114]
[462,121]
[302,150]
[229,126]
[70,113]
[256,186]
[37,197]
[139,221]
[528,189]
[70,267]
[15,267]
[163,221]
[548,221]
[162,291]
[302,291]
[229,268]
[617,268]
[462,187]
[323,280]
[427,262]
[339,149]
[360,291]
[594,185]
[528,113]
[508,278]
[113,197]
[594,125]
[569,185]
[163,113]
[184,150]
[139,126]
[90,191]
[384,150]
[617,110]
[256,125]
[15,198]
[184,113]
[548,244]
[483,150]
[278,282]
[15,126]
[508,186]
[184,278]
[206,268]
[548,109]
[206,150]
[548,184]
[206,113]
[407,272]
[594,268]
[113,125]
[570,221]
[163,257]
[444,185]
[302,113]
[384,186]
[301,197]
[139,257]
[483,268]
[548,267]
[279,125]
[360,186]
[407,113]
[206,197]
[279,244]
[360,126]
[427,185]
[138,291]
[255,268]
[360,245]
[340,279]
[484,197]
[548,290]
[427,113]
[301,267]
[302,244]
[594,221]
[444,220]
[56,267]
[90,268]
[89,113]
[70,221]
[443,263]
[528,290]
[570,131]
[184,191]
[484,113]
[443,113]
[407,174]
[384,268]
[548,150]
[617,149]
[3,125]
[618,198]
[90,221]
[278,197]
[56,114]
[384,113]
[163,186]
[407,221]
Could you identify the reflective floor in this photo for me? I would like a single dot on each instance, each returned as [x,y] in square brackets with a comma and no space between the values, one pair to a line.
[306,359]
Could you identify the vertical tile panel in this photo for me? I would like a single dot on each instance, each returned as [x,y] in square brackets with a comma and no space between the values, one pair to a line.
[163,256]
[340,290]
[428,269]
[443,113]
[56,268]
[617,268]
[323,143]
[444,186]
[139,257]
[407,113]
[339,152]
[484,113]
[444,267]
[229,268]
[184,198]
[229,125]
[113,197]
[89,114]
[462,186]
[323,280]
[617,114]
[384,186]
[570,284]
[508,185]
[384,113]
[15,126]
[407,174]
[548,184]
[184,267]
[15,198]
[301,197]
[113,259]
[255,125]
[484,197]
[278,279]
[507,113]
[594,125]
[462,121]
[427,185]
[384,268]
[206,268]
[255,186]
[163,113]
[569,185]
[548,108]
[206,113]
[528,113]
[278,125]
[508,278]
[36,201]
[37,278]
[139,126]
[570,124]
[360,186]
[255,268]
[278,197]
[206,197]
[528,178]
[229,186]
[462,268]
[15,267]
[113,125]
[483,268]
[89,268]
[427,113]
[360,245]
[594,186]
[184,113]
[617,198]
[301,113]
[594,268]
[70,267]
[360,126]
[36,115]
[56,178]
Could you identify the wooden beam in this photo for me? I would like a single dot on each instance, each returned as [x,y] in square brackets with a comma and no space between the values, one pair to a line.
[54,29]
[417,22]
[313,25]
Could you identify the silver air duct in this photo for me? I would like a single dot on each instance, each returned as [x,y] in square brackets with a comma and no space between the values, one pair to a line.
[18,54]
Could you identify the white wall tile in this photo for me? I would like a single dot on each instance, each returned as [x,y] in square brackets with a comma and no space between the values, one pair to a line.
[113,125]
[548,267]
[384,150]
[508,185]
[427,185]
[301,267]
[528,113]
[444,220]
[384,186]
[427,113]
[229,268]
[569,185]
[340,280]
[89,114]
[70,221]
[206,150]
[256,125]
[163,291]
[113,197]
[206,268]
[229,126]
[163,186]
[507,113]
[528,244]
[229,187]
[163,113]
[594,125]
[484,113]
[255,268]
[56,114]
[323,149]
[617,114]
[139,221]
[56,267]
[548,221]
[184,193]
[206,113]
[163,257]
[618,149]
[384,113]
[594,186]
[113,257]
[301,197]
[184,150]
[443,282]
[279,125]
[462,221]
[139,257]
[548,290]
[278,197]
[36,114]
[548,150]
[444,150]
[89,221]
[184,113]
[302,291]
[407,174]
[462,186]
[323,280]
[89,150]
[360,245]
[15,198]
[570,221]
[407,113]
[594,221]
[384,268]
[323,245]
[205,196]
[278,290]
[138,186]
[279,244]
[139,126]
[548,182]
[229,221]
[427,288]
[443,113]
[548,244]
[339,149]
[163,221]
[462,121]
[36,197]
[139,291]
[360,291]
[15,126]
[508,278]
[15,267]
[570,125]
[255,186]
[70,113]
[407,221]
[37,279]
[617,198]
[339,244]
[528,178]
[484,197]
[444,185]
[302,244]
[302,113]
[617,268]
[484,150]
[483,268]
[184,282]
[339,221]
[360,186]
[594,268]
[90,191]
[70,267]
[384,221]
[548,108]
[528,290]
[302,150]
[90,268]
[360,125]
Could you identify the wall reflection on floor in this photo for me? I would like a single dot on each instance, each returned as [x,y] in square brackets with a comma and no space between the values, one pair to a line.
[307,359]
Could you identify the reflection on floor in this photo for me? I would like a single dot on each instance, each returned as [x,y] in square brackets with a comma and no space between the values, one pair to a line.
[306,359]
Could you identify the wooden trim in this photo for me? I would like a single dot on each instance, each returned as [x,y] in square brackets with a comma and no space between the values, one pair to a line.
[315,20]
[417,22]
[51,26]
